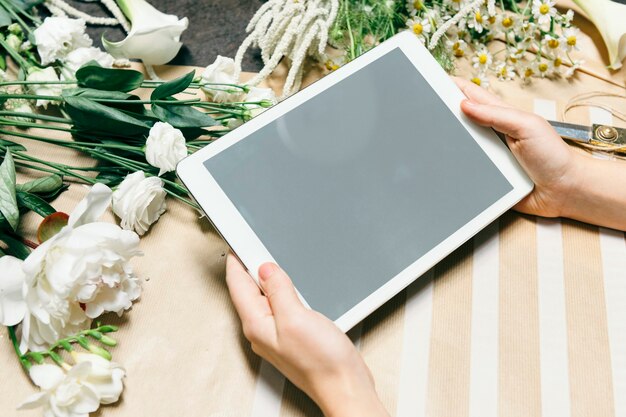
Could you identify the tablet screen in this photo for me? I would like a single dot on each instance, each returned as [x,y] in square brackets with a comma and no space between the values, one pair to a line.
[357,183]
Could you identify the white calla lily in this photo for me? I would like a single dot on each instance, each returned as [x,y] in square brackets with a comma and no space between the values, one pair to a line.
[154,36]
[609,17]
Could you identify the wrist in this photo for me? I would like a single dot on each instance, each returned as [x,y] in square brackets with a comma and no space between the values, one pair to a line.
[348,397]
[574,190]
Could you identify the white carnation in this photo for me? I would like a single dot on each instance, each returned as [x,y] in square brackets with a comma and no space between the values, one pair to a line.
[92,381]
[165,147]
[139,201]
[79,57]
[46,74]
[80,273]
[57,36]
[222,71]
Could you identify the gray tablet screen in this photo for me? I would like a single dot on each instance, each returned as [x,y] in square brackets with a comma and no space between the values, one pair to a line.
[357,183]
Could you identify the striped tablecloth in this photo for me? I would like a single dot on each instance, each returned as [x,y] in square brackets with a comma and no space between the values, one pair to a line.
[527,319]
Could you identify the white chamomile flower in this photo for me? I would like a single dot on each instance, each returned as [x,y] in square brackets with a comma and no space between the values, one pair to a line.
[482,58]
[505,72]
[567,18]
[528,71]
[543,11]
[419,27]
[572,69]
[506,22]
[414,5]
[543,69]
[551,45]
[458,47]
[453,4]
[480,80]
[570,39]
[477,21]
[514,54]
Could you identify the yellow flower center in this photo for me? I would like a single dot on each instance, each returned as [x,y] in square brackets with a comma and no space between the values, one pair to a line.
[543,67]
[528,72]
[571,40]
[553,43]
[507,22]
[513,59]
[478,17]
[544,9]
[504,72]
[458,52]
[482,59]
[557,62]
[418,5]
[418,28]
[476,80]
[492,19]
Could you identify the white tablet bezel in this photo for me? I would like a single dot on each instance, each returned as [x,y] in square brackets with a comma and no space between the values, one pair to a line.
[247,245]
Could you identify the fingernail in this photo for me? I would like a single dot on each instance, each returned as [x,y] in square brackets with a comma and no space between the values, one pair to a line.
[267,269]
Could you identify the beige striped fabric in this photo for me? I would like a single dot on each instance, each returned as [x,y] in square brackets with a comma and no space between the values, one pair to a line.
[528,319]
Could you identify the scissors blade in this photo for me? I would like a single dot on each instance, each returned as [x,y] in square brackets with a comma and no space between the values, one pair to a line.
[571,131]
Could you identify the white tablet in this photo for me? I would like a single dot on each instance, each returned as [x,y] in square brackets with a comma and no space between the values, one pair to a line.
[358,184]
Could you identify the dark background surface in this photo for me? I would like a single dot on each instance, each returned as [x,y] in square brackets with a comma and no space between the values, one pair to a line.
[216,27]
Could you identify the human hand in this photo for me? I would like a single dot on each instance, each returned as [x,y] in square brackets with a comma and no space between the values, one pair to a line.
[304,345]
[553,166]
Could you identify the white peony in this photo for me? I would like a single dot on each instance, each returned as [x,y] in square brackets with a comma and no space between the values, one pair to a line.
[78,274]
[139,201]
[222,71]
[58,36]
[79,57]
[46,74]
[92,381]
[165,147]
[12,305]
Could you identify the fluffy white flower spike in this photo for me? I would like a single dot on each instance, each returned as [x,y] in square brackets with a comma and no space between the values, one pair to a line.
[139,201]
[78,274]
[154,36]
[58,36]
[92,381]
[165,147]
[12,305]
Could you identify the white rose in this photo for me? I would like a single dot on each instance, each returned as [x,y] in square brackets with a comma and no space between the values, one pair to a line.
[58,36]
[79,57]
[260,94]
[92,381]
[46,74]
[165,147]
[139,201]
[12,305]
[222,71]
[78,274]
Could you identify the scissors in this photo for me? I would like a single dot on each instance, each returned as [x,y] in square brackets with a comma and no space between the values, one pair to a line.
[606,136]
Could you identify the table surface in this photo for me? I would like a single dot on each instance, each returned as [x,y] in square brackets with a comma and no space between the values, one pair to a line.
[526,319]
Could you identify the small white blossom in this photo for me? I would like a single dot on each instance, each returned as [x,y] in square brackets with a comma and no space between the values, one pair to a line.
[505,72]
[482,58]
[570,39]
[544,11]
[458,47]
[46,74]
[478,22]
[165,147]
[222,71]
[480,79]
[420,27]
[139,201]
[92,381]
[58,36]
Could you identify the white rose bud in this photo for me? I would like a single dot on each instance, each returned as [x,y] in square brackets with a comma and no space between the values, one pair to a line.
[222,71]
[139,201]
[165,147]
[58,36]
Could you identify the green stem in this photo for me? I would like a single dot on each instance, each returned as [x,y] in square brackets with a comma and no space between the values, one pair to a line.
[18,123]
[16,56]
[59,167]
[36,116]
[16,346]
[182,199]
[16,16]
[102,100]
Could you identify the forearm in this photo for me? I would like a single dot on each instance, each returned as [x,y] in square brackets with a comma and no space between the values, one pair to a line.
[600,195]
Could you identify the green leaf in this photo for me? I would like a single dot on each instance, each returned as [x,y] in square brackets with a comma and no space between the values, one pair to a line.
[193,132]
[2,253]
[15,247]
[14,146]
[34,203]
[66,345]
[5,18]
[82,340]
[110,178]
[43,185]
[25,4]
[172,87]
[86,114]
[182,116]
[110,79]
[96,95]
[8,201]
